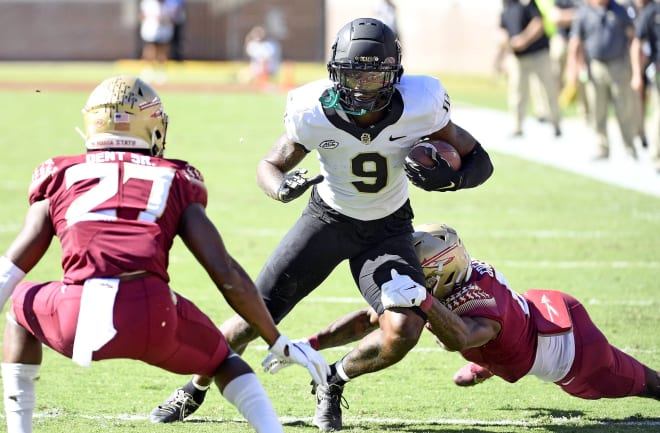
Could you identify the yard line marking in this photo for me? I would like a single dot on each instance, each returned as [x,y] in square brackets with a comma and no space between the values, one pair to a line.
[577,421]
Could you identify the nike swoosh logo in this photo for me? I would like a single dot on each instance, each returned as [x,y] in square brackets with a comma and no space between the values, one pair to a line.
[451,185]
[396,138]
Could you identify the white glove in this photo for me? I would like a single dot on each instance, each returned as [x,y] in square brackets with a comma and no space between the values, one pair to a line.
[301,354]
[273,363]
[403,291]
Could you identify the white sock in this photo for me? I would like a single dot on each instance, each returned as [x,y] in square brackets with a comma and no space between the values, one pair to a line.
[19,395]
[248,395]
[340,370]
[200,387]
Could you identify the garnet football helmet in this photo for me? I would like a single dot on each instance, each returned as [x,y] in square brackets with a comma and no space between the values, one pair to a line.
[365,65]
[124,112]
[445,261]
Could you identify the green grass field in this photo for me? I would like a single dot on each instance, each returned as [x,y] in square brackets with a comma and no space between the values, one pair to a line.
[540,226]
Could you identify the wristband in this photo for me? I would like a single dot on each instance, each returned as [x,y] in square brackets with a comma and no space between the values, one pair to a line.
[426,305]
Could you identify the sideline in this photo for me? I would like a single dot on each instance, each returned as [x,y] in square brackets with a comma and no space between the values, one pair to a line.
[572,151]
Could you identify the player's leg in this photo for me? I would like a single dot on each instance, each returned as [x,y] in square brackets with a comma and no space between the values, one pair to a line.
[295,268]
[21,359]
[398,332]
[599,369]
[241,387]
[22,353]
[234,378]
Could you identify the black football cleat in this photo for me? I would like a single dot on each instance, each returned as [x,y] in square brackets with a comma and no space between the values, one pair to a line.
[176,408]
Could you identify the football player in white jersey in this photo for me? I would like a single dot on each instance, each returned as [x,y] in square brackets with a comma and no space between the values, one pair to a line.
[362,122]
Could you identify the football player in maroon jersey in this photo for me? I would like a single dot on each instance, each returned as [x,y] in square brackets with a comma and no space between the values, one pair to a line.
[471,309]
[116,210]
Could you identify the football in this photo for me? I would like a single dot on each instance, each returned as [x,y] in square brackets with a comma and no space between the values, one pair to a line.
[444,150]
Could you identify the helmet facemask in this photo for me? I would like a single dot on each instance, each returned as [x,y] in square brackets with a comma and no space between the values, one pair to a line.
[365,66]
[125,113]
[445,261]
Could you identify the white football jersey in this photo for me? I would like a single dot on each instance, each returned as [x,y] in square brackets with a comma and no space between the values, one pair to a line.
[363,167]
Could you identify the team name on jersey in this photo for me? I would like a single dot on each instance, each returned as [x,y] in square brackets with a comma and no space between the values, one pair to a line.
[113,156]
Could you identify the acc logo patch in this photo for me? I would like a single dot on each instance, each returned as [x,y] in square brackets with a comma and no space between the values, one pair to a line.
[328,144]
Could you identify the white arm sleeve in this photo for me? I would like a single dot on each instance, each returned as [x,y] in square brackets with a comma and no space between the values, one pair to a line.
[10,276]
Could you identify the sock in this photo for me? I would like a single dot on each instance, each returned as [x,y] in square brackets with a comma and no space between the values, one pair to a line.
[198,392]
[246,393]
[337,375]
[340,371]
[19,395]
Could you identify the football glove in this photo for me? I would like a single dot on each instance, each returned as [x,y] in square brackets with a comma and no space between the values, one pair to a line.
[273,363]
[403,291]
[287,352]
[439,178]
[295,184]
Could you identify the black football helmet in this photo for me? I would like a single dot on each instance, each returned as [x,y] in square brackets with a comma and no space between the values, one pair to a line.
[365,65]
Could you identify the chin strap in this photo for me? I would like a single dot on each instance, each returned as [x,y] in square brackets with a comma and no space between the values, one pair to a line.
[332,101]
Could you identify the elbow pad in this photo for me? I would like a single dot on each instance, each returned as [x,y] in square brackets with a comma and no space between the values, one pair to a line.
[476,168]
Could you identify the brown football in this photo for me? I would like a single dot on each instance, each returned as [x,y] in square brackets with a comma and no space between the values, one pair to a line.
[444,150]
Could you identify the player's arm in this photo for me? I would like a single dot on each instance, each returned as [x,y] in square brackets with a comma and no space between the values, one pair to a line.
[33,241]
[204,241]
[476,166]
[459,333]
[347,329]
[273,175]
[27,249]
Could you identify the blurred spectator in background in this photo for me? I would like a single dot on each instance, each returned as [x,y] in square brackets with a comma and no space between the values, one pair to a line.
[386,12]
[179,11]
[601,33]
[539,101]
[523,34]
[563,15]
[648,31]
[265,54]
[156,31]
[635,9]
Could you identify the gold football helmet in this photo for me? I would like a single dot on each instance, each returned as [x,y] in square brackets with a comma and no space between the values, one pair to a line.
[124,112]
[445,261]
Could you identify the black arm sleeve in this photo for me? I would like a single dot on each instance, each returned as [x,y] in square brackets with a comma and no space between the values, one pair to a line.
[476,168]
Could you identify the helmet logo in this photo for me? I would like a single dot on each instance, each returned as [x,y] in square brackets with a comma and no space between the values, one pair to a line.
[439,259]
[389,61]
